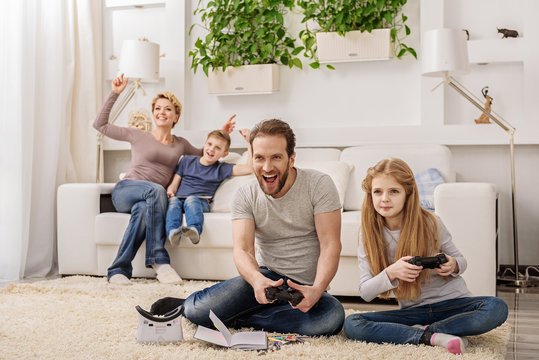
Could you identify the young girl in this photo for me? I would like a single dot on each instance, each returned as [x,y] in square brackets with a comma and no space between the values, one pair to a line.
[436,307]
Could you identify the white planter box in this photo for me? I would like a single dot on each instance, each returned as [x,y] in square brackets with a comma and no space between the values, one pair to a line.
[354,46]
[247,79]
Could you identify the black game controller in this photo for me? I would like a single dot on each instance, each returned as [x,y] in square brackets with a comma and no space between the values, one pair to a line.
[285,294]
[428,262]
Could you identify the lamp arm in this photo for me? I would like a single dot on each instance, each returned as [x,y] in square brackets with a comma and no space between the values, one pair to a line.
[459,88]
[511,131]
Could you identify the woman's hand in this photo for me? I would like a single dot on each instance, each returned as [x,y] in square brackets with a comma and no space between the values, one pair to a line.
[119,84]
[403,270]
[229,125]
[448,268]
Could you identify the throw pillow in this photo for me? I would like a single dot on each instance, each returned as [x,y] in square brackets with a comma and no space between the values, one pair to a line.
[426,183]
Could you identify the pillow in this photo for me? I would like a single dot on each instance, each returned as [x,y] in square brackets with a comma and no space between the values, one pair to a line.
[225,193]
[339,171]
[231,158]
[426,183]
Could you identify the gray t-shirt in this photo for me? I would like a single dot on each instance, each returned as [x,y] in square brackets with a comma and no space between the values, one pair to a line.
[439,288]
[285,235]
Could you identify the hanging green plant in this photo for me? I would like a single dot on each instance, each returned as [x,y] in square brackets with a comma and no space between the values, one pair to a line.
[246,32]
[343,16]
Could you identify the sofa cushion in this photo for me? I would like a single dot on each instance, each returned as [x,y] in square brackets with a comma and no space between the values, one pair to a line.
[217,231]
[339,172]
[418,156]
[351,222]
[222,200]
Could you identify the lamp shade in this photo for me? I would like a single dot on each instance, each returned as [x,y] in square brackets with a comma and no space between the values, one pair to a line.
[139,59]
[444,51]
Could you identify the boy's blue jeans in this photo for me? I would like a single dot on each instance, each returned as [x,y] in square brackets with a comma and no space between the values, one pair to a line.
[147,203]
[194,208]
[460,317]
[233,301]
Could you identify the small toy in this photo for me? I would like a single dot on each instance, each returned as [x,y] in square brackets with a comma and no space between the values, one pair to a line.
[428,262]
[507,33]
[483,118]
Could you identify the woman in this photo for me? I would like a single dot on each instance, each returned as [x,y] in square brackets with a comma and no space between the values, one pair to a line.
[154,155]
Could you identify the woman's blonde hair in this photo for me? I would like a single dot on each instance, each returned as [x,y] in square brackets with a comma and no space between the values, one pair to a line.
[170,97]
[419,234]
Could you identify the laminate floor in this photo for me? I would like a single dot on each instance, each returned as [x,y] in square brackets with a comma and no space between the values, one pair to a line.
[524,317]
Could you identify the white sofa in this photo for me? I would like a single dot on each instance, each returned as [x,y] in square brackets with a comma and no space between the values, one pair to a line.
[89,236]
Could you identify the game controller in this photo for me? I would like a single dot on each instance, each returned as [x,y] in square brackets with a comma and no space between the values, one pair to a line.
[284,293]
[428,262]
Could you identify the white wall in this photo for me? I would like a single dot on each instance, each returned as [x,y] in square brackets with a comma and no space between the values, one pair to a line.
[389,102]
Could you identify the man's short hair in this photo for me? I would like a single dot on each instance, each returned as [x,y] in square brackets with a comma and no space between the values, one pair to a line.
[274,127]
[221,134]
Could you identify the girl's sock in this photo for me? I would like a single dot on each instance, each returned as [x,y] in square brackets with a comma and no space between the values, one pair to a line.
[453,344]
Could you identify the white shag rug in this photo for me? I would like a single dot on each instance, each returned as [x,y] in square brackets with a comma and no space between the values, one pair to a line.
[81,317]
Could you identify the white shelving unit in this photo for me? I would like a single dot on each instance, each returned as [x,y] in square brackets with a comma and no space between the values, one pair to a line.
[488,54]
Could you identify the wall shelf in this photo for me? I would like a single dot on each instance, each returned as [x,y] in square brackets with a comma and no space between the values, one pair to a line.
[134,4]
[496,50]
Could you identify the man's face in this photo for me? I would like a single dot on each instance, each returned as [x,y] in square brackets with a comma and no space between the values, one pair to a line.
[271,164]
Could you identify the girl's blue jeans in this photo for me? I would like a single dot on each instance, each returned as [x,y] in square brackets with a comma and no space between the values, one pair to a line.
[233,301]
[147,203]
[460,317]
[194,209]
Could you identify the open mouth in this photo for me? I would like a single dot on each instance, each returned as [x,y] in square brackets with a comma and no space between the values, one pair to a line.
[269,179]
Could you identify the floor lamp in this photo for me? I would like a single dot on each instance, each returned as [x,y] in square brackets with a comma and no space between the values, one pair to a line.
[445,52]
[139,62]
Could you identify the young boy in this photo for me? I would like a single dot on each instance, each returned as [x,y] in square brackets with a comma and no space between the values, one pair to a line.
[198,178]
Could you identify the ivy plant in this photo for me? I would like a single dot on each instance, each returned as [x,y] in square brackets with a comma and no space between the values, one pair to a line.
[245,32]
[342,16]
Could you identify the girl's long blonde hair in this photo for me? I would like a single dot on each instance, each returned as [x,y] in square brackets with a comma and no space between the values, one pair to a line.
[419,235]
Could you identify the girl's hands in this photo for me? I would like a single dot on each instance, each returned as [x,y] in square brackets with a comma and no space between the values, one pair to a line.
[448,268]
[118,85]
[403,270]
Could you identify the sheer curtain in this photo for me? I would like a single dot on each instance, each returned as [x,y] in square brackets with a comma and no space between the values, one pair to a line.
[50,79]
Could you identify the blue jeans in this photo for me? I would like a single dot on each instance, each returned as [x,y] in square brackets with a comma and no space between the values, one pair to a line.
[193,206]
[460,317]
[147,203]
[233,301]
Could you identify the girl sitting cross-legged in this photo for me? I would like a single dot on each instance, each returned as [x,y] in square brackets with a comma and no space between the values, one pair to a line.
[436,307]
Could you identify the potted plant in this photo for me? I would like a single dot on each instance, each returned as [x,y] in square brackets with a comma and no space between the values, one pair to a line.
[355,29]
[243,37]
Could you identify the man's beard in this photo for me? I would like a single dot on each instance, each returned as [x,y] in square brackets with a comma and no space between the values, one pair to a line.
[282,181]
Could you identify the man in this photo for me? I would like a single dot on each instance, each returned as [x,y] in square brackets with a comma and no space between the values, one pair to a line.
[293,216]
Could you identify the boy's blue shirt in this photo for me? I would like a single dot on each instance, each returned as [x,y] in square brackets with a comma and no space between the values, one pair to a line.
[201,180]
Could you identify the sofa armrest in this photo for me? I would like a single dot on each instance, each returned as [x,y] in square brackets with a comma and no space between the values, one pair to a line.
[78,205]
[468,210]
